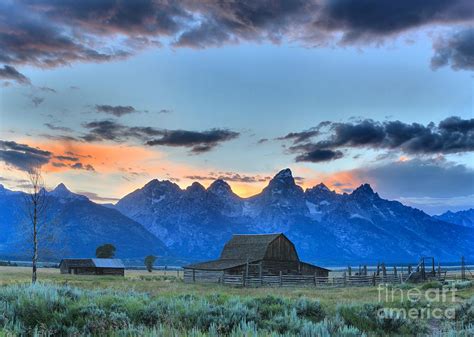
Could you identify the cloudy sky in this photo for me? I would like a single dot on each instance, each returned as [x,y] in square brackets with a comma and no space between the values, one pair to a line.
[106,95]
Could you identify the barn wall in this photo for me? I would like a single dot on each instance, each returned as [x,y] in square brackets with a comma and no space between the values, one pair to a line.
[308,269]
[111,271]
[203,276]
[281,249]
[84,270]
[272,267]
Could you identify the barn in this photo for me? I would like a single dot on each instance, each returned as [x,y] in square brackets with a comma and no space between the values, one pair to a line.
[92,267]
[256,255]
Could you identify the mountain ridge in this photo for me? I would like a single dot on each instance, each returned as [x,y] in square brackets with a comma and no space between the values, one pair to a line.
[325,225]
[76,226]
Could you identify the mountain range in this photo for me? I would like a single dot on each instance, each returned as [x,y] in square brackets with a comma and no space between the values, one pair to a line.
[73,226]
[194,223]
[326,227]
[463,218]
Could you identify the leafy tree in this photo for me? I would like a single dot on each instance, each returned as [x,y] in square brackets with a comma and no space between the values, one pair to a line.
[106,251]
[149,261]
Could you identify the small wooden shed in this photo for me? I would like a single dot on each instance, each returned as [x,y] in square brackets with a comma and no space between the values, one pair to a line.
[92,267]
[256,255]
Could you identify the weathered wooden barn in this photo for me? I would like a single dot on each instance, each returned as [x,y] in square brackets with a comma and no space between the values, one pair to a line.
[92,267]
[253,255]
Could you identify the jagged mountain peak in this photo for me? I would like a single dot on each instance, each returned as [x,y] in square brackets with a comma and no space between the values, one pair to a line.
[62,192]
[195,188]
[61,188]
[157,183]
[220,187]
[282,180]
[364,189]
[322,186]
[284,174]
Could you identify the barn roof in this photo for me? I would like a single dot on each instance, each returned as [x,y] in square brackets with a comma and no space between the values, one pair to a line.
[248,246]
[108,263]
[94,263]
[239,250]
[217,264]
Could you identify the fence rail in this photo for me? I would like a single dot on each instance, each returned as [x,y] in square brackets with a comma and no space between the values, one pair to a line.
[292,280]
[351,276]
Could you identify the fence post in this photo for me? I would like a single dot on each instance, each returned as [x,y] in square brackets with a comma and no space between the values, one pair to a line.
[246,272]
[439,270]
[395,270]
[409,269]
[365,269]
[433,271]
[373,279]
[243,278]
[423,271]
[344,277]
[281,278]
[349,270]
[194,275]
[315,278]
[378,268]
[463,268]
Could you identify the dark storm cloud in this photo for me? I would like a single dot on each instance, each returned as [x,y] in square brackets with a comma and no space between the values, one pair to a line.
[22,156]
[10,73]
[198,141]
[107,130]
[451,135]
[51,33]
[319,155]
[234,21]
[456,51]
[368,19]
[27,36]
[118,110]
[56,164]
[81,166]
[299,137]
[66,158]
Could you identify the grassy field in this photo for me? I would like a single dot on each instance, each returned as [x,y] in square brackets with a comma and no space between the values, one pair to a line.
[336,310]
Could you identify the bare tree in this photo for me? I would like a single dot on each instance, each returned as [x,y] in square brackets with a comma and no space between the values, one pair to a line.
[36,205]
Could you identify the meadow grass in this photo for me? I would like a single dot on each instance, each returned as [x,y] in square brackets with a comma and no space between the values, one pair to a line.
[137,303]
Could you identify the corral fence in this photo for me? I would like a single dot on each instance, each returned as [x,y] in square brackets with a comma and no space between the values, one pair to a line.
[284,280]
[309,280]
[350,276]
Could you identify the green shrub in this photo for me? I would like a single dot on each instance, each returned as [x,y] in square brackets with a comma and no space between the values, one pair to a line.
[309,309]
[431,285]
[464,312]
[372,317]
[463,284]
[55,310]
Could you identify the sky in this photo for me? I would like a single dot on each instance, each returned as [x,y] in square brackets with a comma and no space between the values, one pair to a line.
[106,95]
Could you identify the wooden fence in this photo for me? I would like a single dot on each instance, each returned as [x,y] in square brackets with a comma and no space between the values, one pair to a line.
[283,280]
